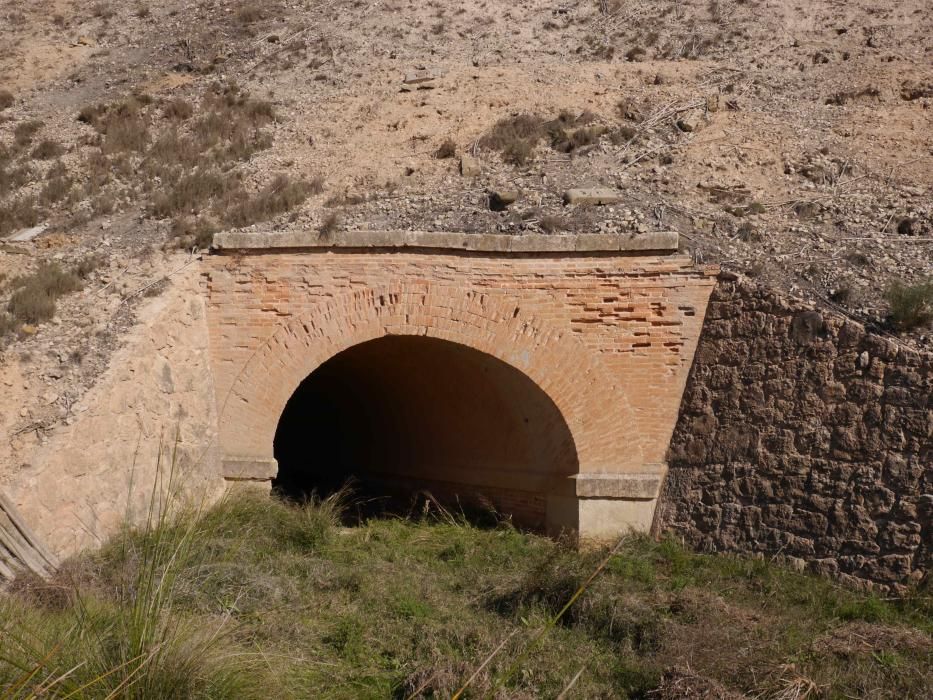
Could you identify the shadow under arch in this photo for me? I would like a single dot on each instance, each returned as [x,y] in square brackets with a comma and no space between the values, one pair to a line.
[403,413]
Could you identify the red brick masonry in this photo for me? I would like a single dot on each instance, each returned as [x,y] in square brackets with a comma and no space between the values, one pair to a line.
[606,326]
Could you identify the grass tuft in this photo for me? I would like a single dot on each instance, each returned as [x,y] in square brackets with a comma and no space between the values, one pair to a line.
[911,305]
[281,195]
[34,296]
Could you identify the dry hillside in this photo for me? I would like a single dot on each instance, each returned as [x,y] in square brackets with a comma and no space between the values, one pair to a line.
[790,141]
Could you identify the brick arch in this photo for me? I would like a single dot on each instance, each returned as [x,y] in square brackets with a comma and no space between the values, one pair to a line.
[570,374]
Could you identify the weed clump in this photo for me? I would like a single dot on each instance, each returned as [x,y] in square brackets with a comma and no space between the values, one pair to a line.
[280,196]
[34,298]
[447,149]
[47,150]
[24,131]
[193,232]
[911,305]
[20,213]
[515,137]
[6,99]
[329,226]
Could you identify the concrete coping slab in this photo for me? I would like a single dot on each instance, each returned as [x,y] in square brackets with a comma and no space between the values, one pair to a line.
[655,241]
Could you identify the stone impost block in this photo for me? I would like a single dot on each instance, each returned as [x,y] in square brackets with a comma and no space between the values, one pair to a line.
[247,469]
[638,487]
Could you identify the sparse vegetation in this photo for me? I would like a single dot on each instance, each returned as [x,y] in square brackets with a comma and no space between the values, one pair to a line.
[911,304]
[34,296]
[258,598]
[515,137]
[178,109]
[24,131]
[447,149]
[47,150]
[329,226]
[6,99]
[281,195]
[17,214]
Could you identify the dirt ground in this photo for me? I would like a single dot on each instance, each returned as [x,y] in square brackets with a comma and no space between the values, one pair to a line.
[787,141]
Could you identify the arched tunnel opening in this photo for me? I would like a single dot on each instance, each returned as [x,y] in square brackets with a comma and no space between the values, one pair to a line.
[406,415]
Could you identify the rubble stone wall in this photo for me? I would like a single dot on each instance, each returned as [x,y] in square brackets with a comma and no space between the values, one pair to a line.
[805,436]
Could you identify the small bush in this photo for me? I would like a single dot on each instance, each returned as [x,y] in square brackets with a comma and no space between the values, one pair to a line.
[102,10]
[91,114]
[192,192]
[35,296]
[193,232]
[56,189]
[911,305]
[250,12]
[13,179]
[282,195]
[127,133]
[21,213]
[552,224]
[88,265]
[47,150]
[515,137]
[448,149]
[328,226]
[6,99]
[177,109]
[24,131]
[345,199]
[567,141]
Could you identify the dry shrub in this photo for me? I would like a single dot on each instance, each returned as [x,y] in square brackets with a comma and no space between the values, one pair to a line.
[233,123]
[250,12]
[280,196]
[177,110]
[33,300]
[20,213]
[515,137]
[328,226]
[24,131]
[125,134]
[344,199]
[447,149]
[552,224]
[6,99]
[122,124]
[13,179]
[104,204]
[169,152]
[193,232]
[911,305]
[56,189]
[7,324]
[567,141]
[102,10]
[47,150]
[191,192]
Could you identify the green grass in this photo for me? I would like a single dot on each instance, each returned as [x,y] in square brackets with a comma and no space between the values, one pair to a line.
[257,598]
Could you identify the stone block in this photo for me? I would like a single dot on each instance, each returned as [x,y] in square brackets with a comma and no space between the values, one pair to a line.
[592,196]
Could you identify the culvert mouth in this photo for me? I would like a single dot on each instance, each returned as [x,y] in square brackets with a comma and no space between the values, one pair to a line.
[406,415]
